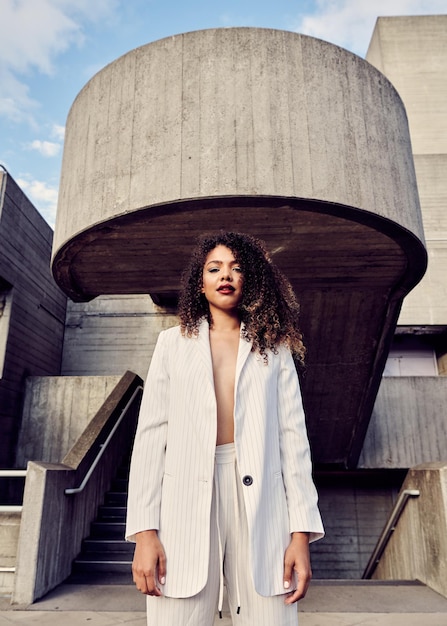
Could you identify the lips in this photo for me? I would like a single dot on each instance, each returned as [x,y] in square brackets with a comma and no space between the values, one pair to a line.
[226,289]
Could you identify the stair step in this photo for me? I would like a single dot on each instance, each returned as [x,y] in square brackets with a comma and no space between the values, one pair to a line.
[108,530]
[120,485]
[107,546]
[100,578]
[116,498]
[105,555]
[102,557]
[123,471]
[112,512]
[100,565]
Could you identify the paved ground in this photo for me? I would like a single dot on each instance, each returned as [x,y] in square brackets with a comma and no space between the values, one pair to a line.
[327,604]
[38,618]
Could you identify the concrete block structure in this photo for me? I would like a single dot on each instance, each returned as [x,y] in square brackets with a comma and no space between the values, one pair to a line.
[411,52]
[32,324]
[32,308]
[284,136]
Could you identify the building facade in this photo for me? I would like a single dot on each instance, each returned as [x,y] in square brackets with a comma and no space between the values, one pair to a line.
[345,196]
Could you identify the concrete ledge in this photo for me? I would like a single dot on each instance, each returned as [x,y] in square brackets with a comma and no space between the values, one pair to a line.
[9,538]
[418,547]
[324,596]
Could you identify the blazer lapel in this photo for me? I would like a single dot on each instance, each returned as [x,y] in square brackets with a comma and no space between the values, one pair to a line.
[242,355]
[204,349]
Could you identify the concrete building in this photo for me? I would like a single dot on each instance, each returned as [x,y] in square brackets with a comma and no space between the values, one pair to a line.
[32,308]
[307,146]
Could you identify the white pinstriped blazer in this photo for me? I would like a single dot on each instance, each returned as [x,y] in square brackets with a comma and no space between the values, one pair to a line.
[172,468]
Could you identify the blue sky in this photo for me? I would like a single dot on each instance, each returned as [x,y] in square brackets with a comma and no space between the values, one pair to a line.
[49,49]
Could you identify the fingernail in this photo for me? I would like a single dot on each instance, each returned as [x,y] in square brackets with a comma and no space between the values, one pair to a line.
[286,584]
[162,580]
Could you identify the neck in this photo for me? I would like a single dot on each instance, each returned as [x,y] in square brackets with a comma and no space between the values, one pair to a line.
[224,321]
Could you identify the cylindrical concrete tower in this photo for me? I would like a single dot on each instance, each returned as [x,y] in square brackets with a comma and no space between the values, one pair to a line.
[281,135]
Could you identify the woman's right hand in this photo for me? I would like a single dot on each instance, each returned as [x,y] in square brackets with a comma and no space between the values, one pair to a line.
[149,563]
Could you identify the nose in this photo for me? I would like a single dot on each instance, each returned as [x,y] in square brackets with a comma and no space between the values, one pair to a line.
[226,275]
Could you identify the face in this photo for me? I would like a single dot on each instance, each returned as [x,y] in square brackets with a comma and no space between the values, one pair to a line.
[222,279]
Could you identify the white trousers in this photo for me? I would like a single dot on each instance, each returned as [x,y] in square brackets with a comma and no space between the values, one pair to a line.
[229,563]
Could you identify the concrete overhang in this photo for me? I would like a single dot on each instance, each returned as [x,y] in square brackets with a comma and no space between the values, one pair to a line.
[279,135]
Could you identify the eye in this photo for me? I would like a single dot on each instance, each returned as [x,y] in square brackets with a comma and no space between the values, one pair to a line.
[238,269]
[213,270]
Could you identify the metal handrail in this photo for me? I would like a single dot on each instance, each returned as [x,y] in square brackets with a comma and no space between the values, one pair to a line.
[12,473]
[103,446]
[388,530]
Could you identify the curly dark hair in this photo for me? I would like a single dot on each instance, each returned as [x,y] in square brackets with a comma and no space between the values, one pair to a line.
[268,308]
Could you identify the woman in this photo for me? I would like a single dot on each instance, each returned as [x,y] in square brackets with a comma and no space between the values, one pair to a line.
[220,484]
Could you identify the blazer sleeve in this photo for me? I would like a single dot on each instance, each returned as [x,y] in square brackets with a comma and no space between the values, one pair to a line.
[148,456]
[302,499]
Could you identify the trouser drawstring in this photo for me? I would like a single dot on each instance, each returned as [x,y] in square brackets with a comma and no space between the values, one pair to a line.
[226,454]
[236,521]
[219,539]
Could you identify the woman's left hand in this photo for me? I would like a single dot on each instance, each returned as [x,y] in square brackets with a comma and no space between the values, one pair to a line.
[297,559]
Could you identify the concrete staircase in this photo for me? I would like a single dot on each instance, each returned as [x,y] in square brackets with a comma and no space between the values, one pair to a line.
[100,587]
[105,555]
[101,584]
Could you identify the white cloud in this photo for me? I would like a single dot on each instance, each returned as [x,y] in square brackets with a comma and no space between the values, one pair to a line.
[350,23]
[34,33]
[58,132]
[38,30]
[42,195]
[45,148]
[15,101]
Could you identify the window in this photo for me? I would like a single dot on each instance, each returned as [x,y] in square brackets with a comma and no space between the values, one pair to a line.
[5,312]
[411,356]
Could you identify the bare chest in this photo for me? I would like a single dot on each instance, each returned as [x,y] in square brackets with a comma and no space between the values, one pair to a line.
[224,349]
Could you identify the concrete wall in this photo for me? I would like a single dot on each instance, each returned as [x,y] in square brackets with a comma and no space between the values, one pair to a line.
[31,336]
[402,47]
[112,334]
[409,423]
[417,549]
[54,524]
[412,53]
[9,539]
[56,411]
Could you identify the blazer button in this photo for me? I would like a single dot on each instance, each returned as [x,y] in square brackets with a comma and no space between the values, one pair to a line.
[247,480]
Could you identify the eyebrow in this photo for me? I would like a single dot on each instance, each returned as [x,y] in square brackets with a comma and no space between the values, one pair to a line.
[220,262]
